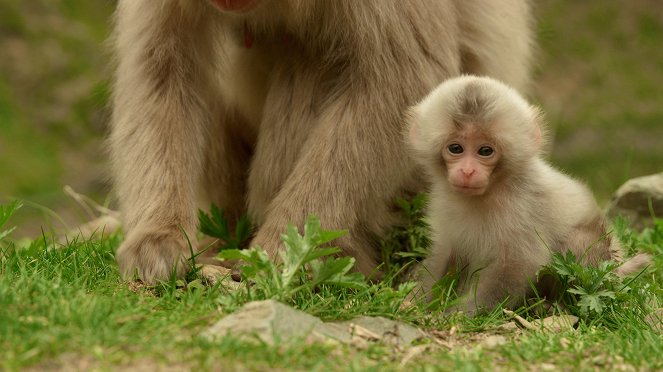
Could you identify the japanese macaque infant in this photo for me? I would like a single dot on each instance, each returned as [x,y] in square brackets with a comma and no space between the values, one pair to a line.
[497,209]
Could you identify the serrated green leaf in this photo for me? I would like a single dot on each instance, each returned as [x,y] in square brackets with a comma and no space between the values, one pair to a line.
[607,266]
[214,224]
[419,203]
[323,270]
[243,229]
[564,271]
[403,205]
[327,236]
[235,254]
[578,291]
[354,281]
[303,264]
[321,252]
[591,303]
[335,273]
[605,293]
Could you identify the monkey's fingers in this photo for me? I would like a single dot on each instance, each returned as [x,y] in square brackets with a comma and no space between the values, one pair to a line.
[153,257]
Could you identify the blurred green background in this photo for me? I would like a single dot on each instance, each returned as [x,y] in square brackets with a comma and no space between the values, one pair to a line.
[598,75]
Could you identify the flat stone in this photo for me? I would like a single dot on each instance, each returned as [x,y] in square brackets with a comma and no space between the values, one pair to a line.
[556,323]
[632,200]
[507,327]
[386,330]
[273,322]
[269,321]
[493,341]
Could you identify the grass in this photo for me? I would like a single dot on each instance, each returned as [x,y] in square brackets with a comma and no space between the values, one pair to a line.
[66,306]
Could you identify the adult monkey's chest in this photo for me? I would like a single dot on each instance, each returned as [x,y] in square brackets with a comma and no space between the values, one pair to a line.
[275,74]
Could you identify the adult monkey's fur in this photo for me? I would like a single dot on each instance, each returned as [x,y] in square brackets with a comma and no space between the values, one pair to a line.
[284,108]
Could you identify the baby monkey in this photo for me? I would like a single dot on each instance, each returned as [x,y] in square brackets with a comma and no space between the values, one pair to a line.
[497,209]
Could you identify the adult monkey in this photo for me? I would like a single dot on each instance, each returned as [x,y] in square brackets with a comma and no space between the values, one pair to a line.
[284,108]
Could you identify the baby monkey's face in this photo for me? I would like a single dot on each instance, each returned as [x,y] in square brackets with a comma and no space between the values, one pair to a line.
[470,157]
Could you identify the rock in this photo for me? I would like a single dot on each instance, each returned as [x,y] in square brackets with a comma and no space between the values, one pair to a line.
[213,274]
[386,330]
[270,321]
[414,352]
[522,321]
[493,341]
[273,322]
[556,323]
[507,327]
[632,200]
[547,367]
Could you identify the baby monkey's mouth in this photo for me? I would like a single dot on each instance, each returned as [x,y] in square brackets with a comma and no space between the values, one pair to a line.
[468,190]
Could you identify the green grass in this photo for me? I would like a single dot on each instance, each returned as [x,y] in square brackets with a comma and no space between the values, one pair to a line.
[65,305]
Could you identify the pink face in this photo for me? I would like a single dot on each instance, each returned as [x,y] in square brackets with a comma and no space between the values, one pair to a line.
[470,159]
[236,6]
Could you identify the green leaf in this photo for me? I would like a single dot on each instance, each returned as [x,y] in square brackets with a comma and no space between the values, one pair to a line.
[404,205]
[591,303]
[321,252]
[335,271]
[605,293]
[578,291]
[327,236]
[408,242]
[235,254]
[303,265]
[323,270]
[216,225]
[243,229]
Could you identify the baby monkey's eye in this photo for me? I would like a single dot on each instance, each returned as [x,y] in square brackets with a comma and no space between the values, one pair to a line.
[485,151]
[455,148]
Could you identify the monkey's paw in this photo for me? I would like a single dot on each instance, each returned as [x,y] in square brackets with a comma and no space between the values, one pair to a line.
[153,257]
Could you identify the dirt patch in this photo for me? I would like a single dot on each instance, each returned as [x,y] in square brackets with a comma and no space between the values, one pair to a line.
[76,362]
